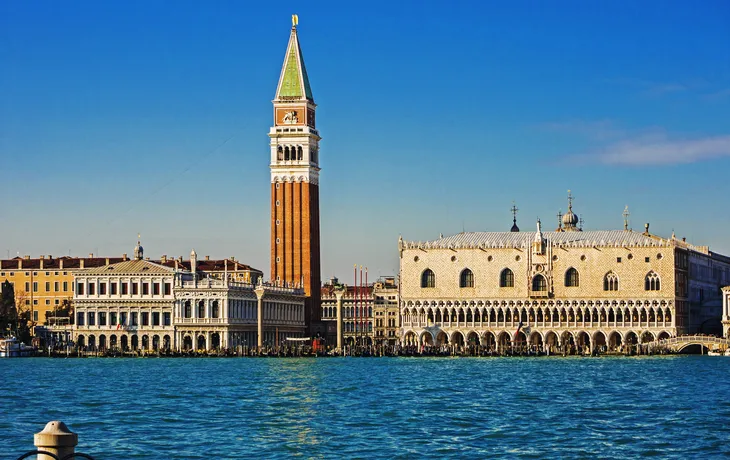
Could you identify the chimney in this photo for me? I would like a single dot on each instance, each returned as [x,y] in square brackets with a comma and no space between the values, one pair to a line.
[107,261]
[684,239]
[91,255]
[42,257]
[41,262]
[81,262]
[50,257]
[26,257]
[124,257]
[207,258]
[176,265]
[20,264]
[163,259]
[60,263]
[233,258]
[646,228]
[146,258]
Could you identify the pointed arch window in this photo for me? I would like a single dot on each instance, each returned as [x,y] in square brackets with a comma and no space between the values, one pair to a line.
[299,153]
[539,283]
[466,279]
[610,282]
[571,278]
[506,278]
[428,279]
[652,282]
[201,309]
[280,153]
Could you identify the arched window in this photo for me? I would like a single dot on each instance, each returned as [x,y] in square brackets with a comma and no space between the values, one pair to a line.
[201,309]
[299,152]
[280,153]
[610,282]
[539,283]
[506,278]
[466,279]
[571,278]
[188,311]
[428,279]
[286,153]
[215,312]
[651,282]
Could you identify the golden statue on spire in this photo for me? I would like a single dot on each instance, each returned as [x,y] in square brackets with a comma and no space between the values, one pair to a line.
[294,20]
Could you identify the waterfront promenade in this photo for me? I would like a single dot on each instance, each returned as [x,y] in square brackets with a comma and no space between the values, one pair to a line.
[671,407]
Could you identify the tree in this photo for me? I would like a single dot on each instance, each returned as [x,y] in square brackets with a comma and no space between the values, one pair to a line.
[13,317]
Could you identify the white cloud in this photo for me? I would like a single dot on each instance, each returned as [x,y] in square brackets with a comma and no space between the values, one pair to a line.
[658,150]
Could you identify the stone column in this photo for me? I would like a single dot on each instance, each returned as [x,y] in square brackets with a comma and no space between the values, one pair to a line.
[339,292]
[56,439]
[260,316]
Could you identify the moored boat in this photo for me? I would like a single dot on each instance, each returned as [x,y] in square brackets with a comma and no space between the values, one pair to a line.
[12,348]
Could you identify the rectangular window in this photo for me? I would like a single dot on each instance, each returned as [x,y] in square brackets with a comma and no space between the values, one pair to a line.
[102,318]
[156,288]
[618,260]
[91,318]
[35,301]
[102,289]
[27,286]
[145,288]
[35,286]
[646,259]
[135,289]
[156,318]
[35,315]
[80,288]
[48,273]
[48,286]
[113,288]
[65,286]
[123,319]
[167,289]
[92,289]
[145,318]
[125,288]
[112,319]
[80,318]
[57,302]
[56,286]
[166,318]
[134,319]
[48,301]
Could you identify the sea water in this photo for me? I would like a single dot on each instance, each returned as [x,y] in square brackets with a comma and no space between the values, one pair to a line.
[152,408]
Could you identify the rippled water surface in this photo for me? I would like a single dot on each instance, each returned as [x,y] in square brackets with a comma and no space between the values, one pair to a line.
[378,407]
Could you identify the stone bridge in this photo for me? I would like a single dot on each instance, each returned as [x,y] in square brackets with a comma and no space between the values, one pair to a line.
[677,344]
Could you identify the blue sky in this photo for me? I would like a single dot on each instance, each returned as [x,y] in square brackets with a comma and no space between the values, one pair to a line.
[151,117]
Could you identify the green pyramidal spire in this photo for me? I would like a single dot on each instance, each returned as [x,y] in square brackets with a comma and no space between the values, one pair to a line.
[294,82]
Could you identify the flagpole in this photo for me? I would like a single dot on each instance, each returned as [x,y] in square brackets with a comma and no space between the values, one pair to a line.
[360,312]
[367,301]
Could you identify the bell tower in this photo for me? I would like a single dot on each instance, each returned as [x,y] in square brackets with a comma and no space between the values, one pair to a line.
[295,182]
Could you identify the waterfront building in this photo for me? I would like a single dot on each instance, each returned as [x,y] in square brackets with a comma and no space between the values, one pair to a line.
[44,285]
[223,312]
[386,311]
[708,272]
[726,312]
[127,305]
[294,162]
[355,307]
[369,314]
[176,304]
[566,287]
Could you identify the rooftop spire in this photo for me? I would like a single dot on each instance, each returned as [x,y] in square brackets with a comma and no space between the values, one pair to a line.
[293,82]
[514,210]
